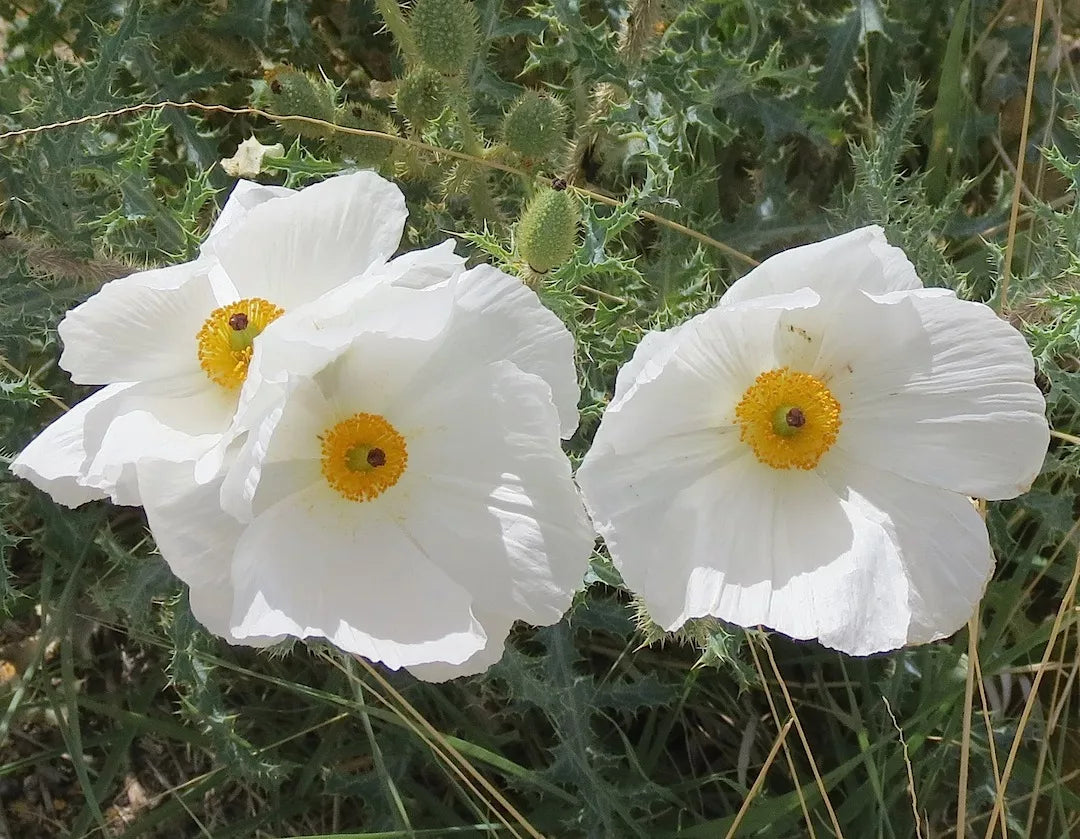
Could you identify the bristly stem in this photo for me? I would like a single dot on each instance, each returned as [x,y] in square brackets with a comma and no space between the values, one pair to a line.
[484,207]
[390,12]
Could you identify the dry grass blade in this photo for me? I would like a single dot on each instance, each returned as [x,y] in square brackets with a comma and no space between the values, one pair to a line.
[985,708]
[1064,694]
[1067,604]
[1014,215]
[787,750]
[465,764]
[453,759]
[802,737]
[965,740]
[759,781]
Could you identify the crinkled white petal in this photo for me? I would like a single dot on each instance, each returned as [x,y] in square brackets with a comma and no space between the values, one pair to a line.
[290,250]
[940,541]
[244,196]
[860,260]
[423,268]
[498,317]
[951,404]
[139,327]
[704,368]
[311,336]
[197,541]
[282,454]
[57,463]
[479,662]
[489,492]
[318,566]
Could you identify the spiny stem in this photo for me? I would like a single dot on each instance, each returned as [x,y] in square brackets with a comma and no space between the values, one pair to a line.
[484,207]
[390,12]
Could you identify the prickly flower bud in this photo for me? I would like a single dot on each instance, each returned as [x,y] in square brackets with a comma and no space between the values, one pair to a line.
[547,232]
[535,125]
[446,33]
[367,151]
[291,92]
[421,95]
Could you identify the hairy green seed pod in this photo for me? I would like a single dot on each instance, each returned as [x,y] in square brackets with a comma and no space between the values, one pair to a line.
[367,151]
[535,125]
[291,92]
[547,231]
[446,33]
[421,95]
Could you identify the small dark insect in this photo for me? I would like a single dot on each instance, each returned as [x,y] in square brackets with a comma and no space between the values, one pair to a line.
[275,86]
[558,184]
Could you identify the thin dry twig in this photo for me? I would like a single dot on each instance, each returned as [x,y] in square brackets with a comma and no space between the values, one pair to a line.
[437,151]
[907,766]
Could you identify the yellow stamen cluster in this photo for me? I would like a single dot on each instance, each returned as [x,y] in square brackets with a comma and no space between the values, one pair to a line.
[789,419]
[363,456]
[226,337]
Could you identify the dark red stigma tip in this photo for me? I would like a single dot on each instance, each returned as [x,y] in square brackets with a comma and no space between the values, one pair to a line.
[376,457]
[795,418]
[238,321]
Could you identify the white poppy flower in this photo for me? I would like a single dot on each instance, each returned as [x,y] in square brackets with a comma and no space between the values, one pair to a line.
[400,489]
[801,456]
[172,345]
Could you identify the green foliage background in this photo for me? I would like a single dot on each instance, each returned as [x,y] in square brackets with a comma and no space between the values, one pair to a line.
[700,135]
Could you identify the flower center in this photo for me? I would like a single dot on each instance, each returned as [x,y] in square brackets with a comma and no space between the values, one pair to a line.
[789,419]
[363,456]
[226,337]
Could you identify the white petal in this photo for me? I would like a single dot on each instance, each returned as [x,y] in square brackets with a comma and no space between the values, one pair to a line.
[489,495]
[139,327]
[196,539]
[244,196]
[478,662]
[311,336]
[316,566]
[703,368]
[423,268]
[653,349]
[282,454]
[953,406]
[940,541]
[859,260]
[498,317]
[56,460]
[293,249]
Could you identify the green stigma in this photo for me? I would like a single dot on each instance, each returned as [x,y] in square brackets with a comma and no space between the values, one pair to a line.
[787,420]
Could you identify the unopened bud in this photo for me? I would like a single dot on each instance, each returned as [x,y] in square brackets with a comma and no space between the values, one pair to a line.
[535,126]
[446,33]
[290,92]
[367,151]
[421,95]
[547,232]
